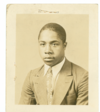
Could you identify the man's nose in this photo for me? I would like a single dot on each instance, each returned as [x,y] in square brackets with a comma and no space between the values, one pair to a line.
[48,49]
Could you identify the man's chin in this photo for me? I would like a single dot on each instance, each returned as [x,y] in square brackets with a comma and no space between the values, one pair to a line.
[49,63]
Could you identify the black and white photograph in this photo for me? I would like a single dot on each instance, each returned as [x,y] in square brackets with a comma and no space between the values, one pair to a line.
[52,54]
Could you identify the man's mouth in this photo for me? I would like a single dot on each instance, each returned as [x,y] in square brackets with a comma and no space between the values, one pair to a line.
[49,58]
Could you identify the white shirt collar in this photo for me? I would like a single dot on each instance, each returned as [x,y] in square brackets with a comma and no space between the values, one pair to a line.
[55,69]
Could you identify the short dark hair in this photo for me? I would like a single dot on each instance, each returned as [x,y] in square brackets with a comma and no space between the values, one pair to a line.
[57,28]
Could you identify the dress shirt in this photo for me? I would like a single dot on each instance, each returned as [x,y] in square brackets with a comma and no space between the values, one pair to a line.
[55,71]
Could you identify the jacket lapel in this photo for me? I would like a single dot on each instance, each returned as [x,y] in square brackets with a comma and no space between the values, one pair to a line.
[40,87]
[63,83]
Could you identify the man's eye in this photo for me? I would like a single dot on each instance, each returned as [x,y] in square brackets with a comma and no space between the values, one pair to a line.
[42,44]
[54,44]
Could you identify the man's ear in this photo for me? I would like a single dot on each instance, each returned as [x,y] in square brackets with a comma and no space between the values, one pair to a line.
[65,44]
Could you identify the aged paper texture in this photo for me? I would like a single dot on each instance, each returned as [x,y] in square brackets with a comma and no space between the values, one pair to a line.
[23,25]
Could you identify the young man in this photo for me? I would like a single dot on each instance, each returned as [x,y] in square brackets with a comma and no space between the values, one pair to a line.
[58,81]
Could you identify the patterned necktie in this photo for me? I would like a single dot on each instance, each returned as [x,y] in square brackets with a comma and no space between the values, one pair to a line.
[49,86]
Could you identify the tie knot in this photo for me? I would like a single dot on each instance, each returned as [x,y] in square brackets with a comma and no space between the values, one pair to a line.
[50,70]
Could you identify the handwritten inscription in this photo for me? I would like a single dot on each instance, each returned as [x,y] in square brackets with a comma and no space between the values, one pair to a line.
[44,11]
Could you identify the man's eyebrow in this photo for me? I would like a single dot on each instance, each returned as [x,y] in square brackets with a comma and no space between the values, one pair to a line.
[41,41]
[54,41]
[50,41]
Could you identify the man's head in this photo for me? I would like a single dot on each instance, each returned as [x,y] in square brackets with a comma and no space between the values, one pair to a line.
[52,43]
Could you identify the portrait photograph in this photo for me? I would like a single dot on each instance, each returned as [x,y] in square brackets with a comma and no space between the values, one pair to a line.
[52,58]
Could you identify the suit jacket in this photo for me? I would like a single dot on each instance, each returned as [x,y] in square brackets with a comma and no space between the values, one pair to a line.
[71,87]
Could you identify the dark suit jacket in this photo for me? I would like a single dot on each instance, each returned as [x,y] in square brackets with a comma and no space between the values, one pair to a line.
[71,87]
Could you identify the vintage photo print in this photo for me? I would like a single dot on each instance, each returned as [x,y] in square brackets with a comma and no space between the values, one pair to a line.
[52,58]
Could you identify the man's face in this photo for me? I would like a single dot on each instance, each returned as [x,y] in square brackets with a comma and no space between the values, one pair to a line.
[51,47]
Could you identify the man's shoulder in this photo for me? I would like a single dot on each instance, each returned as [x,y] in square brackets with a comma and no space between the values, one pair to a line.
[74,67]
[78,72]
[35,71]
[77,68]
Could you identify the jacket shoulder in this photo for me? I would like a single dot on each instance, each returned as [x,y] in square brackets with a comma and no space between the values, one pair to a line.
[78,69]
[79,73]
[35,71]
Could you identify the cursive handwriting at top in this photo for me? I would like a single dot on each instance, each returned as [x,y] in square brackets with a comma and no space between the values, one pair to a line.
[44,11]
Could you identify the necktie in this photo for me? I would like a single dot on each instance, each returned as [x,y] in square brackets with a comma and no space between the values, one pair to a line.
[49,86]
